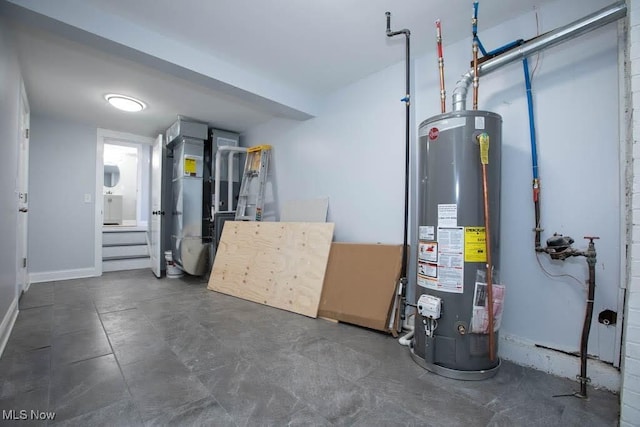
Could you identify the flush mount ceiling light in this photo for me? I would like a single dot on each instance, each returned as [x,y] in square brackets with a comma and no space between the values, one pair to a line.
[125,103]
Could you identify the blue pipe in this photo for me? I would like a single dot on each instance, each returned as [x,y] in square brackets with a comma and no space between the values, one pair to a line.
[506,47]
[480,46]
[474,21]
[532,128]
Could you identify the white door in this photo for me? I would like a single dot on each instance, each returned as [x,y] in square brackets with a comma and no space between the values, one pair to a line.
[156,208]
[22,183]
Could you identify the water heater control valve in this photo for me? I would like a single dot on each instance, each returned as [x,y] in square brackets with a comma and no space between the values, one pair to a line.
[429,306]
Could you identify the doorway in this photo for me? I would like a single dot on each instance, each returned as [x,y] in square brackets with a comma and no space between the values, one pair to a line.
[122,199]
[122,191]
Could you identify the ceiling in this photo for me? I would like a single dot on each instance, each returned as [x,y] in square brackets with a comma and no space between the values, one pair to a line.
[274,51]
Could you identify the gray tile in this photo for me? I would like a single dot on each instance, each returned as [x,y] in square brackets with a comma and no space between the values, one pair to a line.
[573,417]
[319,387]
[249,397]
[71,294]
[133,346]
[306,417]
[32,330]
[501,420]
[160,382]
[200,352]
[24,403]
[543,412]
[38,295]
[389,414]
[34,319]
[122,413]
[22,372]
[172,325]
[203,412]
[86,386]
[80,345]
[173,304]
[71,319]
[20,342]
[349,363]
[421,398]
[125,321]
[114,304]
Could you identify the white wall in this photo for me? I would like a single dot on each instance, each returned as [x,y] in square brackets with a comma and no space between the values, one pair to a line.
[630,396]
[354,151]
[61,172]
[10,79]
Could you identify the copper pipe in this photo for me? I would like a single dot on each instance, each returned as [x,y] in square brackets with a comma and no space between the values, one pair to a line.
[443,92]
[483,139]
[475,74]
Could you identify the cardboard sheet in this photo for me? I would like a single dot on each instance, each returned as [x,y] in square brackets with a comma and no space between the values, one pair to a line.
[360,283]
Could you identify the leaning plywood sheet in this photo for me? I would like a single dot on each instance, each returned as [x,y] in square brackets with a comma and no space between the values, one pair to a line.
[360,284]
[278,264]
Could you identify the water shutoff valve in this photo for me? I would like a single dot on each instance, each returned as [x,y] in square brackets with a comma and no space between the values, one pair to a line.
[429,306]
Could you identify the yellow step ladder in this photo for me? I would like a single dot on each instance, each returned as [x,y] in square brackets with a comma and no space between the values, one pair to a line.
[254,178]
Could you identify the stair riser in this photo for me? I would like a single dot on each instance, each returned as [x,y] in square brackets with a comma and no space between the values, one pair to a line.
[126,264]
[124,251]
[124,238]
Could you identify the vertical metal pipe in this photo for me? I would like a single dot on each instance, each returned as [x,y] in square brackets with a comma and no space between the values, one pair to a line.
[483,139]
[586,327]
[407,128]
[474,31]
[230,171]
[534,155]
[443,92]
[476,79]
[407,101]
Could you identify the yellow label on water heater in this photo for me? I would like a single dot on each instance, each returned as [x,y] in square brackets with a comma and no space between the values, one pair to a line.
[475,244]
[483,139]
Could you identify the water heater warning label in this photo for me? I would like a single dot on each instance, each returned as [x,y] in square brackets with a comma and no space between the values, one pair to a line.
[447,275]
[475,244]
[448,215]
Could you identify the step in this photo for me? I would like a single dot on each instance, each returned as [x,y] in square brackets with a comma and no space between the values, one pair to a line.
[116,257]
[110,238]
[125,264]
[124,251]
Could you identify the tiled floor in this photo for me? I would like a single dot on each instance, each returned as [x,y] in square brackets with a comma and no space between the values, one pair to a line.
[128,349]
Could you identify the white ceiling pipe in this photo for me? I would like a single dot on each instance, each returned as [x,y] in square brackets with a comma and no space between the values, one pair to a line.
[577,28]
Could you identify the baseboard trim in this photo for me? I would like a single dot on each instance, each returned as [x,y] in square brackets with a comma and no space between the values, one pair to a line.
[7,324]
[525,353]
[49,276]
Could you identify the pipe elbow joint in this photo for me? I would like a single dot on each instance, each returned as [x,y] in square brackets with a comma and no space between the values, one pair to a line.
[461,91]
